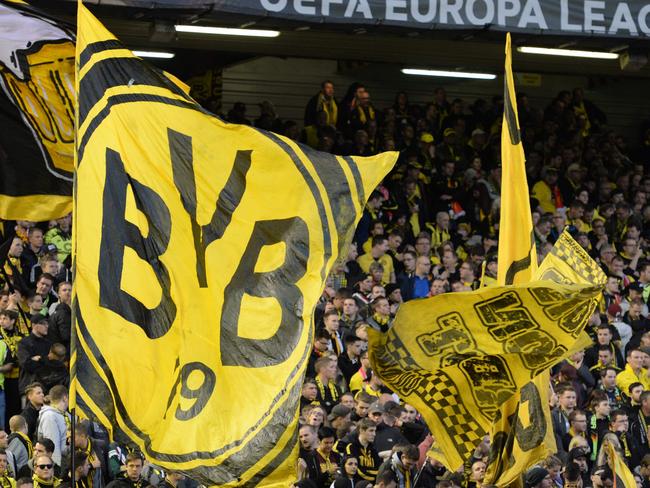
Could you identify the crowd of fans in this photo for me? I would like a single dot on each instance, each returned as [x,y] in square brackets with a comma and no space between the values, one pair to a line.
[431,227]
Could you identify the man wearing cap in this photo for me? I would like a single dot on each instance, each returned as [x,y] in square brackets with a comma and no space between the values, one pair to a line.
[388,432]
[633,372]
[339,417]
[547,192]
[427,150]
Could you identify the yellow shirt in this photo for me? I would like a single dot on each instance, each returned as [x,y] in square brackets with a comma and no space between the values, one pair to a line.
[386,261]
[542,192]
[626,377]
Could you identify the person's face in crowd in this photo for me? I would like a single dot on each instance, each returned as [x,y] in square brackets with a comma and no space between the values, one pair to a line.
[635,394]
[579,424]
[394,242]
[362,333]
[409,263]
[44,468]
[348,401]
[40,329]
[554,470]
[635,309]
[442,220]
[423,246]
[383,307]
[368,435]
[361,408]
[466,272]
[328,90]
[478,471]
[604,336]
[423,266]
[599,228]
[633,233]
[620,424]
[609,380]
[364,99]
[583,197]
[351,465]
[36,303]
[307,437]
[437,287]
[43,286]
[321,344]
[377,290]
[309,391]
[329,306]
[329,370]
[583,240]
[353,252]
[396,296]
[3,463]
[449,259]
[51,267]
[411,413]
[568,400]
[582,464]
[4,302]
[630,247]
[612,285]
[36,239]
[16,249]
[602,409]
[6,323]
[449,168]
[355,348]
[635,359]
[559,221]
[326,444]
[332,323]
[134,469]
[316,417]
[617,266]
[366,284]
[350,307]
[39,450]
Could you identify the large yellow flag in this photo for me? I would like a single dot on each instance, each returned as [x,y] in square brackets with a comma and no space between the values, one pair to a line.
[37,99]
[519,438]
[517,258]
[457,357]
[201,249]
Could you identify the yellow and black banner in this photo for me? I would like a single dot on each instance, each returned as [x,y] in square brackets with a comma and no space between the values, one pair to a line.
[517,259]
[201,249]
[522,433]
[37,98]
[457,357]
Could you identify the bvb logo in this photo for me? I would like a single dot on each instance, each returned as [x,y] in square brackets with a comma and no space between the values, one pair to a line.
[198,246]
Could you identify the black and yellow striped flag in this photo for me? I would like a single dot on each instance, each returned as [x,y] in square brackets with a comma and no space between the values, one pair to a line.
[37,99]
[201,249]
[517,259]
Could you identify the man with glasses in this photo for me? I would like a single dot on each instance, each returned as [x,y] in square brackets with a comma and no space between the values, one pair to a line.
[44,473]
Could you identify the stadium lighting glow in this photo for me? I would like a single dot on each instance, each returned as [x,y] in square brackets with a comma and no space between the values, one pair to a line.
[154,54]
[449,74]
[571,53]
[226,31]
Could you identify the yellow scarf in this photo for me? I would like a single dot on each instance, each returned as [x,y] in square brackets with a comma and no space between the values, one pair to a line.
[362,114]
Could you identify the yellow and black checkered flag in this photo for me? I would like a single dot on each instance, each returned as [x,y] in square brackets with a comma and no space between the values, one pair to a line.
[201,249]
[517,259]
[37,98]
[522,434]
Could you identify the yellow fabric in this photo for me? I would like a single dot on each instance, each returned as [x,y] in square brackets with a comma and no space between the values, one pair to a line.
[626,377]
[457,357]
[623,477]
[356,382]
[386,261]
[517,258]
[542,192]
[212,242]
